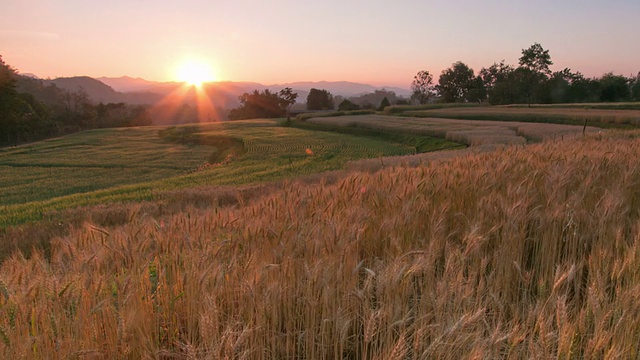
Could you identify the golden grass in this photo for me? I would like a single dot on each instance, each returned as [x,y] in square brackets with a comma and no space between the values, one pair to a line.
[525,252]
[538,113]
[470,132]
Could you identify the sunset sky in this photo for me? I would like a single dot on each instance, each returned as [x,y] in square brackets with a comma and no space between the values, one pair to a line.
[277,41]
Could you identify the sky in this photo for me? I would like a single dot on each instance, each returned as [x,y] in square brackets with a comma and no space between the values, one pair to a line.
[280,41]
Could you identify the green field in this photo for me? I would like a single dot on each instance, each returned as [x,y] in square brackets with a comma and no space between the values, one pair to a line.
[136,164]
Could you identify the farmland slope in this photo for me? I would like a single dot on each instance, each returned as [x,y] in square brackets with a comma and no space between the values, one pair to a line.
[525,252]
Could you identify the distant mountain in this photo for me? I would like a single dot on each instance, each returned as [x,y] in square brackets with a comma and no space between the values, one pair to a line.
[96,90]
[342,88]
[30,75]
[223,94]
[128,84]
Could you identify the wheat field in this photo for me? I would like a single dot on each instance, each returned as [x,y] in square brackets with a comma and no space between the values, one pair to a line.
[469,132]
[603,114]
[525,252]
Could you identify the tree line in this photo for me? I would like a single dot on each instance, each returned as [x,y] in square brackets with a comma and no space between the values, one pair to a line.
[267,104]
[532,81]
[31,111]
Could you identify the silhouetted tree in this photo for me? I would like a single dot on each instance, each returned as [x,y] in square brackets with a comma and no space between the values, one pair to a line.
[477,91]
[383,104]
[494,81]
[258,105]
[287,99]
[635,88]
[22,116]
[455,82]
[374,97]
[319,100]
[536,59]
[614,88]
[422,87]
[347,105]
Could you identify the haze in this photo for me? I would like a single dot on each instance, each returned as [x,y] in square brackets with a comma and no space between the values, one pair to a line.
[376,42]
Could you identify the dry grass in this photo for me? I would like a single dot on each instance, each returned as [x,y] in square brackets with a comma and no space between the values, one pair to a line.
[538,113]
[520,253]
[470,132]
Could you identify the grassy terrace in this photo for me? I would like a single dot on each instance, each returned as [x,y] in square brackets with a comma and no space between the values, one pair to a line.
[626,115]
[122,165]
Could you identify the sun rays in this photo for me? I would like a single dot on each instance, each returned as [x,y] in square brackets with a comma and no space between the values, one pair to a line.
[195,72]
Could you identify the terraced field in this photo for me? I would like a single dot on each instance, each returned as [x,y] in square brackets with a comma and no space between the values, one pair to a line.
[473,133]
[567,114]
[123,165]
[318,148]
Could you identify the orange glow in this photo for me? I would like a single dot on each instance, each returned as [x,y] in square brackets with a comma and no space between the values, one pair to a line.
[207,111]
[189,104]
[195,73]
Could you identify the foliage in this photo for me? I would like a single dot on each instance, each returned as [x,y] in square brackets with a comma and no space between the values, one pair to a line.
[533,82]
[258,105]
[21,115]
[347,105]
[422,87]
[38,111]
[536,59]
[614,88]
[319,100]
[383,104]
[287,99]
[456,82]
[372,100]
[635,88]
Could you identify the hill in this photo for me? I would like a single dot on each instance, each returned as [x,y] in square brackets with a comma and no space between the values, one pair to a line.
[342,88]
[97,91]
[129,84]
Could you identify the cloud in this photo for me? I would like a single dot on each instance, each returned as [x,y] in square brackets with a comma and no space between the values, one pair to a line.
[21,34]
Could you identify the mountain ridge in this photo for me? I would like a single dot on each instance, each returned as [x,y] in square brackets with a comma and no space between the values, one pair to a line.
[342,88]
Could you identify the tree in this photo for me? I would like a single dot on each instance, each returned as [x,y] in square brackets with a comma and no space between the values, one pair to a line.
[533,73]
[422,87]
[347,105]
[21,115]
[635,88]
[498,72]
[477,91]
[614,87]
[258,105]
[383,104]
[455,82]
[374,98]
[287,99]
[582,89]
[319,100]
[536,59]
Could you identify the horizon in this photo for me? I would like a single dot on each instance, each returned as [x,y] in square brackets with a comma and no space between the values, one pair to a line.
[29,74]
[378,44]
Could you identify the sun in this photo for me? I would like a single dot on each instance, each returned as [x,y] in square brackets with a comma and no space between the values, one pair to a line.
[195,73]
